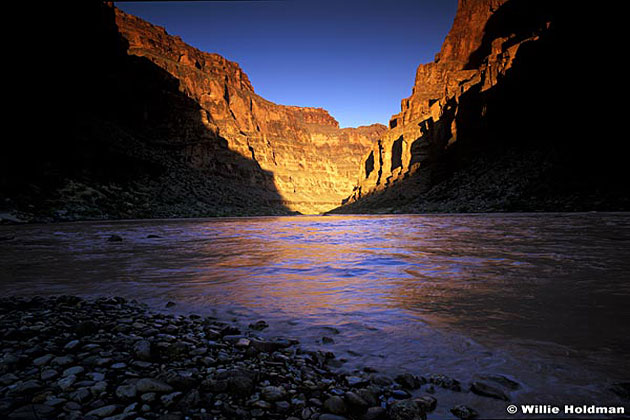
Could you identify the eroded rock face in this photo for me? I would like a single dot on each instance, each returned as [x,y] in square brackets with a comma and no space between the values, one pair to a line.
[426,124]
[312,160]
[491,123]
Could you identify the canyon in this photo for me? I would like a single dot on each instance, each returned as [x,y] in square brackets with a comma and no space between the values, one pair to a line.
[313,161]
[491,122]
[151,127]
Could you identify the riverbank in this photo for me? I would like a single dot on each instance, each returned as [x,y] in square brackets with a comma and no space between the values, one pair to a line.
[70,358]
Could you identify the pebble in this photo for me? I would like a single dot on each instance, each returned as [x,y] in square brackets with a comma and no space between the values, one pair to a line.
[48,374]
[406,410]
[75,370]
[105,411]
[110,359]
[487,390]
[66,382]
[335,405]
[464,412]
[126,392]
[143,350]
[408,381]
[71,345]
[273,393]
[43,360]
[152,385]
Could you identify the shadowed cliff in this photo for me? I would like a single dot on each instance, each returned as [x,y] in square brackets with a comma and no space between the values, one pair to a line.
[127,143]
[500,125]
[138,124]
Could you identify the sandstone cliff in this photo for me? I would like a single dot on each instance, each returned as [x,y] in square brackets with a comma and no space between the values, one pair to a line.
[485,128]
[312,161]
[138,124]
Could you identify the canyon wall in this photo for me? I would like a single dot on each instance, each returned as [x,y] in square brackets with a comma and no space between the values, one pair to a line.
[486,127]
[312,160]
[139,124]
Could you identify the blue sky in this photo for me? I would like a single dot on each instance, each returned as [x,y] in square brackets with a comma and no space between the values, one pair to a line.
[357,59]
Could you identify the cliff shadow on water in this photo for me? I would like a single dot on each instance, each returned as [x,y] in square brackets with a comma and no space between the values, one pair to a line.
[524,142]
[125,142]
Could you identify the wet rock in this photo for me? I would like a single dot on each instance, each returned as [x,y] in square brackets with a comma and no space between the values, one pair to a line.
[32,412]
[445,382]
[273,393]
[335,405]
[487,390]
[356,381]
[400,394]
[381,380]
[148,397]
[190,399]
[71,406]
[86,328]
[96,376]
[62,360]
[262,404]
[265,346]
[143,350]
[48,374]
[67,382]
[241,385]
[406,410]
[152,236]
[327,416]
[81,395]
[355,401]
[170,399]
[25,387]
[181,380]
[426,402]
[152,385]
[230,330]
[55,401]
[104,411]
[104,372]
[43,360]
[464,412]
[126,392]
[98,388]
[115,238]
[375,413]
[259,325]
[327,340]
[75,370]
[170,304]
[242,343]
[408,381]
[502,380]
[71,345]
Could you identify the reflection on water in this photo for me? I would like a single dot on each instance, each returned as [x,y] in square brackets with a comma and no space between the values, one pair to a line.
[541,297]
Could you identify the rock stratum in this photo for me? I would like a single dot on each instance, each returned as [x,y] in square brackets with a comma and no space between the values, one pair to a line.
[492,123]
[152,127]
[313,161]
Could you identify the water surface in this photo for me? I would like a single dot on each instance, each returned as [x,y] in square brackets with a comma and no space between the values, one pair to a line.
[542,298]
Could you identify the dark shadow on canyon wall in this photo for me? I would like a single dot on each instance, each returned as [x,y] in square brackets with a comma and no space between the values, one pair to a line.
[121,141]
[542,138]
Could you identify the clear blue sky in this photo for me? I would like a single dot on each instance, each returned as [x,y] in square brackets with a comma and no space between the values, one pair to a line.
[357,59]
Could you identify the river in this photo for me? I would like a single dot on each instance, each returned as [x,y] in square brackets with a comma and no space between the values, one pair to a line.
[540,298]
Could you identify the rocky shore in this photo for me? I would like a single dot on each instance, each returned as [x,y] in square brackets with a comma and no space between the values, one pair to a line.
[69,358]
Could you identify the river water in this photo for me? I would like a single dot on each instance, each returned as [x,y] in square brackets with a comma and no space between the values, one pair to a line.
[540,298]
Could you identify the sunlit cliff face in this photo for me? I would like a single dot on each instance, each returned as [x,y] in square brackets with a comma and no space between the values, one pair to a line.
[314,163]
